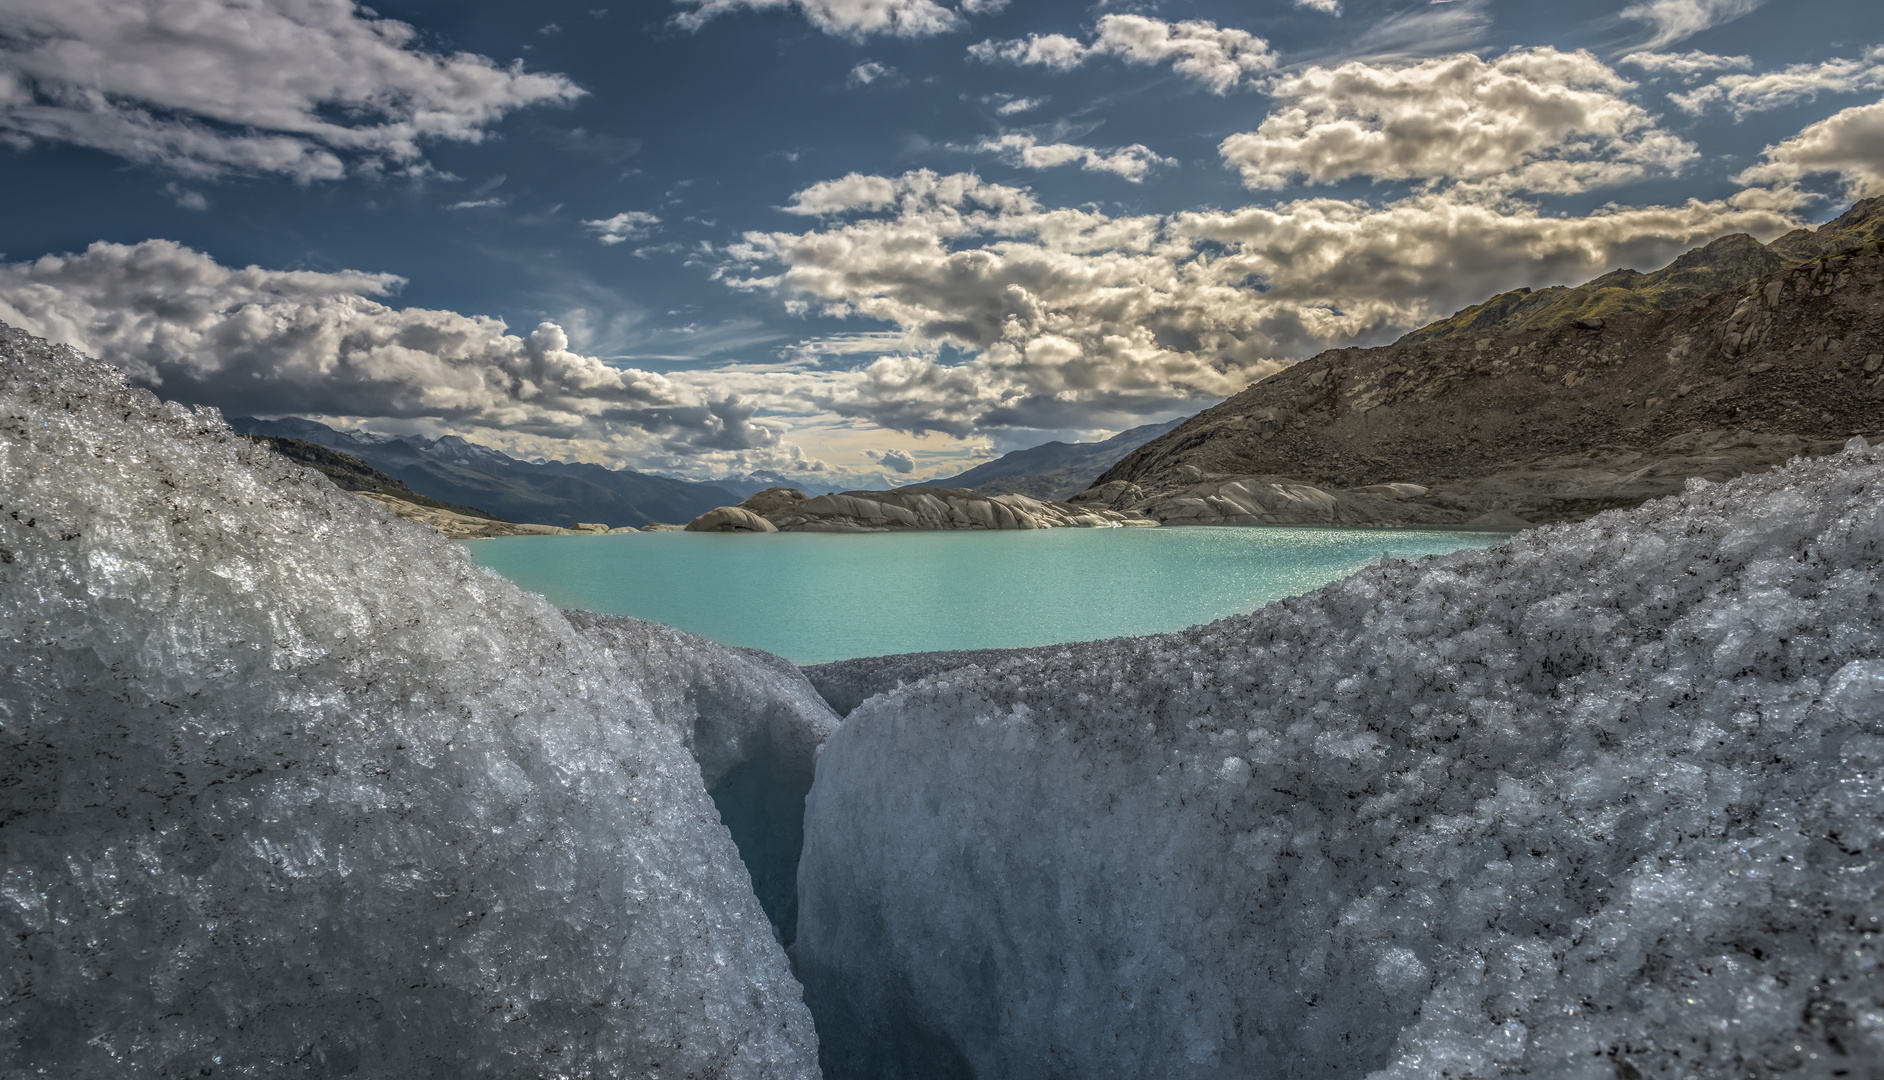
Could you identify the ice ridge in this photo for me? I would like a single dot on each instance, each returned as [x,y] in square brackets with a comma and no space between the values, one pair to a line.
[1604,802]
[288,787]
[754,725]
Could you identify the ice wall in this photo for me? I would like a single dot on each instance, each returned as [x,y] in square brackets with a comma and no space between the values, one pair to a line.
[289,788]
[1605,802]
[752,722]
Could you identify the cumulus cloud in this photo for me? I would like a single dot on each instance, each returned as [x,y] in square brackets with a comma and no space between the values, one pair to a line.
[1848,144]
[1746,94]
[307,90]
[1535,120]
[1326,7]
[1217,57]
[1676,20]
[844,18]
[896,461]
[1024,150]
[326,344]
[1072,318]
[625,226]
[1687,64]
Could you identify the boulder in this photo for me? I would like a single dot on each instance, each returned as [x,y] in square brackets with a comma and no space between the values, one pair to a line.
[730,519]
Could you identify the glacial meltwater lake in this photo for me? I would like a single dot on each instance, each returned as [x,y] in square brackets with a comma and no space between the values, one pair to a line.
[814,597]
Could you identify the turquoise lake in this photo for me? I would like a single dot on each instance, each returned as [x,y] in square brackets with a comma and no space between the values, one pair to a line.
[813,597]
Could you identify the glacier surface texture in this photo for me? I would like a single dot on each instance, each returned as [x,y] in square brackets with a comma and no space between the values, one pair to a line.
[1602,803]
[290,788]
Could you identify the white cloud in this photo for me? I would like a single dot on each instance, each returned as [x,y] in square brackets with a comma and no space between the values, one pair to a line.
[1011,106]
[1686,65]
[207,87]
[1024,150]
[843,18]
[627,225]
[868,72]
[1055,52]
[896,461]
[1746,94]
[1220,58]
[326,344]
[1074,318]
[1326,7]
[1848,144]
[1675,20]
[1431,29]
[1534,120]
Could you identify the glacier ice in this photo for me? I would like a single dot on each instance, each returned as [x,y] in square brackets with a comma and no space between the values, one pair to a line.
[290,788]
[753,723]
[1604,802]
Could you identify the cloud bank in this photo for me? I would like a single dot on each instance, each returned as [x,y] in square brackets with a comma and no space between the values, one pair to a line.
[309,89]
[847,18]
[1219,58]
[1747,94]
[1076,318]
[326,344]
[1535,120]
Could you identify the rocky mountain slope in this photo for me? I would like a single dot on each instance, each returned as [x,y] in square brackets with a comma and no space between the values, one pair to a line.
[349,473]
[1727,263]
[559,493]
[1051,470]
[1535,425]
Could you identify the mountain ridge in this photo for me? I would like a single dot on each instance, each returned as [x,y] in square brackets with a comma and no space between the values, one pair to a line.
[455,470]
[1726,263]
[1050,471]
[1534,425]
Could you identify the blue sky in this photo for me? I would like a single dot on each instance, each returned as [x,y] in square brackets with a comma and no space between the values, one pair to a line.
[866,239]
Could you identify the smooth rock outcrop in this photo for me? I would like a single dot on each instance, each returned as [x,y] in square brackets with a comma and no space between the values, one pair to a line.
[730,519]
[791,510]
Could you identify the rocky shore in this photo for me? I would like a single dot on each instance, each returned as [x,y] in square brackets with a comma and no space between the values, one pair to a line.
[456,526]
[782,509]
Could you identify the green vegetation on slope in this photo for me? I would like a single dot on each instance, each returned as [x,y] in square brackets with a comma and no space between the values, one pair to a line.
[1726,263]
[349,473]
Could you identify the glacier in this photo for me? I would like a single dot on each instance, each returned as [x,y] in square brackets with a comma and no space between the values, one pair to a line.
[288,787]
[1605,802]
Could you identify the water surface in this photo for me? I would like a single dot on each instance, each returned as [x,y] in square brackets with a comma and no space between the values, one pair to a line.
[813,597]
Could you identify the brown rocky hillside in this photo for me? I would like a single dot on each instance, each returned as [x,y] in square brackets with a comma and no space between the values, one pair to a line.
[1534,425]
[1727,263]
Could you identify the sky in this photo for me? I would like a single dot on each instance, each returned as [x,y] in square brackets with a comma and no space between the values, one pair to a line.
[866,241]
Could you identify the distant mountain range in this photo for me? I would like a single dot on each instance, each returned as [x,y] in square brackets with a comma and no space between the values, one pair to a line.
[1052,470]
[452,470]
[748,484]
[1727,263]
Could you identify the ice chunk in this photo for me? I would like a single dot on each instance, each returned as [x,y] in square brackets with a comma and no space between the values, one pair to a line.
[1605,801]
[291,788]
[753,723]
